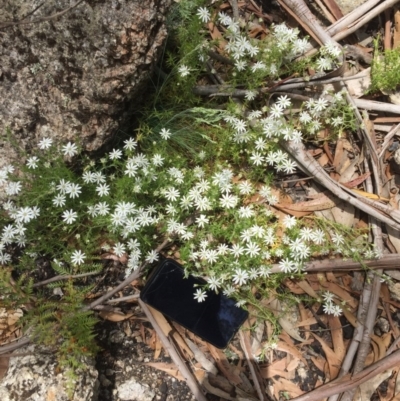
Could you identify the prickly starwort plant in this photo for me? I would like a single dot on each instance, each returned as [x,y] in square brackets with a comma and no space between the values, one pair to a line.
[201,176]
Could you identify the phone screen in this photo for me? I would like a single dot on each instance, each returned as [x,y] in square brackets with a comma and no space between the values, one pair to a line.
[215,320]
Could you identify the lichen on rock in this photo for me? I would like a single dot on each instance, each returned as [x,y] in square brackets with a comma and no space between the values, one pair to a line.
[78,75]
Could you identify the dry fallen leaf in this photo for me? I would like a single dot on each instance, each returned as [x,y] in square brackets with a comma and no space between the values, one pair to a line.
[319,202]
[320,362]
[217,36]
[366,389]
[360,83]
[224,365]
[169,368]
[200,357]
[285,346]
[276,368]
[343,213]
[382,346]
[334,362]
[370,196]
[337,336]
[284,385]
[394,235]
[114,316]
[158,347]
[396,32]
[357,181]
[286,318]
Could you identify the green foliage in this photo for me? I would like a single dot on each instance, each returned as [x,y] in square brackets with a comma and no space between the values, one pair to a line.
[14,293]
[64,326]
[385,71]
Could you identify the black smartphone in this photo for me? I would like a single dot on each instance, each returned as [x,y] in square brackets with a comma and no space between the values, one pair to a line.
[215,320]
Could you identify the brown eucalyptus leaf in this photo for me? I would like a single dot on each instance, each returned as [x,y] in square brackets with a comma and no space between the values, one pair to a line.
[288,387]
[369,387]
[394,235]
[337,336]
[370,196]
[320,202]
[217,36]
[343,213]
[357,181]
[396,32]
[334,362]
[114,316]
[169,368]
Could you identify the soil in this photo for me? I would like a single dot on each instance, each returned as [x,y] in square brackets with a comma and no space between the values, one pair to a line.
[124,356]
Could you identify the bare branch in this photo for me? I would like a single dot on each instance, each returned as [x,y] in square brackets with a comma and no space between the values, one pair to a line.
[136,274]
[351,381]
[63,277]
[183,369]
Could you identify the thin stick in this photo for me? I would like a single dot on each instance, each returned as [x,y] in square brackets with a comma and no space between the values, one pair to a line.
[377,106]
[183,369]
[250,362]
[303,12]
[226,90]
[388,262]
[312,82]
[393,346]
[123,299]
[326,12]
[394,131]
[235,9]
[220,58]
[136,274]
[350,381]
[373,293]
[312,167]
[366,18]
[357,13]
[14,345]
[368,306]
[357,337]
[33,11]
[8,24]
[63,277]
[363,349]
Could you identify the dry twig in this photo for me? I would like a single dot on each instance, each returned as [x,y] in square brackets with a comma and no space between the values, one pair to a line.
[183,369]
[8,24]
[350,381]
[312,168]
[136,274]
[245,343]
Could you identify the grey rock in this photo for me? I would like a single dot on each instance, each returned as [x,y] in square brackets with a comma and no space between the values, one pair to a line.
[132,390]
[34,377]
[117,336]
[76,77]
